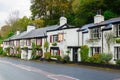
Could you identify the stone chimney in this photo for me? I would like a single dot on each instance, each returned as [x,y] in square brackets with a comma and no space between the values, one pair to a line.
[17,32]
[30,28]
[98,18]
[63,20]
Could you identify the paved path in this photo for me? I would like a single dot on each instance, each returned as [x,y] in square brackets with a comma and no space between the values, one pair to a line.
[13,69]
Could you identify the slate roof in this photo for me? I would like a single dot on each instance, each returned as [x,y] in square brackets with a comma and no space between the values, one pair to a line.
[104,23]
[10,38]
[41,32]
[20,35]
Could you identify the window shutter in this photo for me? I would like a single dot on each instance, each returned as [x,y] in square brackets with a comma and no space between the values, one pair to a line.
[116,30]
[50,38]
[50,50]
[58,51]
[40,42]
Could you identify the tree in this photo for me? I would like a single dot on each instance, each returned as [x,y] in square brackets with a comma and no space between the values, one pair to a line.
[23,23]
[109,14]
[4,32]
[39,23]
[50,10]
[109,37]
[12,20]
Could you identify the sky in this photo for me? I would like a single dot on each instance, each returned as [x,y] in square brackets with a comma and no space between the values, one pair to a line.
[9,6]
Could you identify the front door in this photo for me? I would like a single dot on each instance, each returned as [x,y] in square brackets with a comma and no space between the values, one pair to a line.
[75,55]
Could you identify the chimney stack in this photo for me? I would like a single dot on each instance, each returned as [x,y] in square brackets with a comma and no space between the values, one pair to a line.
[98,18]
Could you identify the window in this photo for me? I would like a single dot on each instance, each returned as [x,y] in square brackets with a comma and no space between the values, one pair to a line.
[28,42]
[60,37]
[117,53]
[17,43]
[95,50]
[117,30]
[22,42]
[95,33]
[54,51]
[11,43]
[39,42]
[55,38]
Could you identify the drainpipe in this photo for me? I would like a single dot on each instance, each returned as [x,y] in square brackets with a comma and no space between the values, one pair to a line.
[78,39]
[102,41]
[82,38]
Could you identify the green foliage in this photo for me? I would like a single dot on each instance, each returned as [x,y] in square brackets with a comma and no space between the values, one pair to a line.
[4,53]
[97,58]
[117,40]
[47,55]
[38,47]
[118,61]
[59,58]
[7,50]
[66,59]
[18,55]
[36,56]
[109,37]
[68,51]
[25,48]
[54,43]
[106,57]
[18,49]
[10,34]
[46,45]
[1,50]
[109,14]
[84,53]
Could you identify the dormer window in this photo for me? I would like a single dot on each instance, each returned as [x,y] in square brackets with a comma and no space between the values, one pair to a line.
[95,33]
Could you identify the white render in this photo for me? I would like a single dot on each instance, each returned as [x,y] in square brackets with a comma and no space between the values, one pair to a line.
[70,39]
[98,18]
[63,20]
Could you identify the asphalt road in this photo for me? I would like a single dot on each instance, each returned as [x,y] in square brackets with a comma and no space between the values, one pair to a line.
[14,69]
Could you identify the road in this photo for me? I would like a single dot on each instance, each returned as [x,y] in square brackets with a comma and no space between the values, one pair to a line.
[14,69]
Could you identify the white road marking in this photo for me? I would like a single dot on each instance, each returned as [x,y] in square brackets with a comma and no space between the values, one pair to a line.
[48,74]
[61,77]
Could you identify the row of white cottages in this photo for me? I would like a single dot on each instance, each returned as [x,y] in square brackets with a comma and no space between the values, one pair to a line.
[68,37]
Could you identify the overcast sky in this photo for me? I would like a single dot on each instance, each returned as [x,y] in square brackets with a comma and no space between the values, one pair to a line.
[9,6]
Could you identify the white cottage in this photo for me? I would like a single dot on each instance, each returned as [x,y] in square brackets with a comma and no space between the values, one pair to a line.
[63,38]
[93,35]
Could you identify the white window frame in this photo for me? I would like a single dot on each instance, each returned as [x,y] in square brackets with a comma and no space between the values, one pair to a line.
[95,33]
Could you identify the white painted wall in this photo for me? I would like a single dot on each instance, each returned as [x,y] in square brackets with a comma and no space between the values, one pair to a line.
[70,39]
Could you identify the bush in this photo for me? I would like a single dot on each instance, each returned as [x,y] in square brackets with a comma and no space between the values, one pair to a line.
[59,58]
[118,61]
[97,58]
[66,59]
[90,60]
[106,57]
[47,55]
[84,53]
[18,55]
[1,50]
[4,53]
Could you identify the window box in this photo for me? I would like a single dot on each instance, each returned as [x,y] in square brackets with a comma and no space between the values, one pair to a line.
[118,40]
[92,40]
[54,43]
